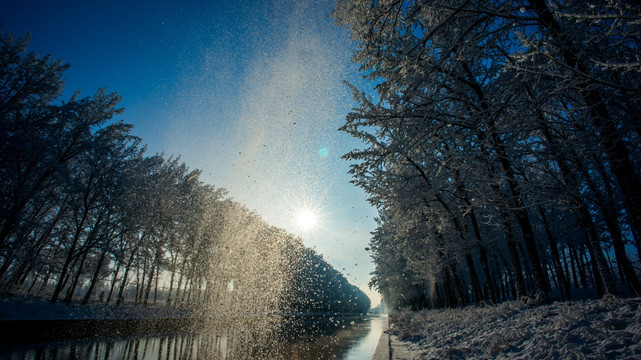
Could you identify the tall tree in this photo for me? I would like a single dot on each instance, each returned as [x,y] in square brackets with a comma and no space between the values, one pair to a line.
[509,95]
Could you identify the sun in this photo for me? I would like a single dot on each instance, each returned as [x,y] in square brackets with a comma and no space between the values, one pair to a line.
[306,220]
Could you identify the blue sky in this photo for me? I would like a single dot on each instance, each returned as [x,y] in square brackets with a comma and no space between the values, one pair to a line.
[250,92]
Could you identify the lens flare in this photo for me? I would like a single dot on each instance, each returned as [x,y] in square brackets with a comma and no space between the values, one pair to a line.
[323,152]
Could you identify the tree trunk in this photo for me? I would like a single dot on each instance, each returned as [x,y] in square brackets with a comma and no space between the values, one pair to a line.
[523,220]
[517,271]
[582,266]
[113,283]
[96,275]
[637,237]
[462,298]
[156,286]
[520,209]
[140,282]
[474,279]
[564,285]
[566,265]
[619,251]
[450,299]
[74,283]
[555,279]
[489,287]
[69,257]
[602,272]
[611,138]
[177,298]
[154,265]
[171,284]
[123,282]
[575,266]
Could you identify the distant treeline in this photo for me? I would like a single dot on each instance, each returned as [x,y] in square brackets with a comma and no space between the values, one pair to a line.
[501,147]
[86,216]
[321,288]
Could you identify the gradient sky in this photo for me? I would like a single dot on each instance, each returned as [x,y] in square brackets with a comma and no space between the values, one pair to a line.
[250,92]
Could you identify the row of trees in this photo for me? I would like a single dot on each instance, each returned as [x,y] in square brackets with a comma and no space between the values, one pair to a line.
[321,288]
[86,215]
[503,151]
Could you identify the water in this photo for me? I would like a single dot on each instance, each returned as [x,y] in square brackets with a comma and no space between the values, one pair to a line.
[350,338]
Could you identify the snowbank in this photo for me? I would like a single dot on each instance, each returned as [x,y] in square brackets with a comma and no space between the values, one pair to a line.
[609,328]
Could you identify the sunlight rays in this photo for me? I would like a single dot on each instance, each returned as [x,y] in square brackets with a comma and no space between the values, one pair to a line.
[306,220]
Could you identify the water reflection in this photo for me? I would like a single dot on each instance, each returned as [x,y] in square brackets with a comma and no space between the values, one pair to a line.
[365,347]
[351,338]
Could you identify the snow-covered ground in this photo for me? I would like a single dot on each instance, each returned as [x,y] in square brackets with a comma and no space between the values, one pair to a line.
[26,308]
[609,328]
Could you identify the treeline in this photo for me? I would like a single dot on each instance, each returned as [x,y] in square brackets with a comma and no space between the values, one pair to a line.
[502,150]
[321,288]
[86,216]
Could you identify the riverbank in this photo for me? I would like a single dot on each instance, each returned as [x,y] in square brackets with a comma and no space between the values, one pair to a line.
[15,308]
[591,329]
[383,351]
[34,320]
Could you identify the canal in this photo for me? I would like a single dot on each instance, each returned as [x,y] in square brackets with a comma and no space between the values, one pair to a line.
[311,337]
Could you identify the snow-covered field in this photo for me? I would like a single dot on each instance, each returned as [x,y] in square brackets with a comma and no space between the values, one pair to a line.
[609,328]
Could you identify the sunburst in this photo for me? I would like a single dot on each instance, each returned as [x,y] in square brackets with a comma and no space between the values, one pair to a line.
[306,220]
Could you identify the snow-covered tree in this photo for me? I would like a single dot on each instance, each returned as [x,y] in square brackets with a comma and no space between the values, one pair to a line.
[501,111]
[86,215]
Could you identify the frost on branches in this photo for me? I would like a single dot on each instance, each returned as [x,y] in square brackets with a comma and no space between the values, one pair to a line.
[502,150]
